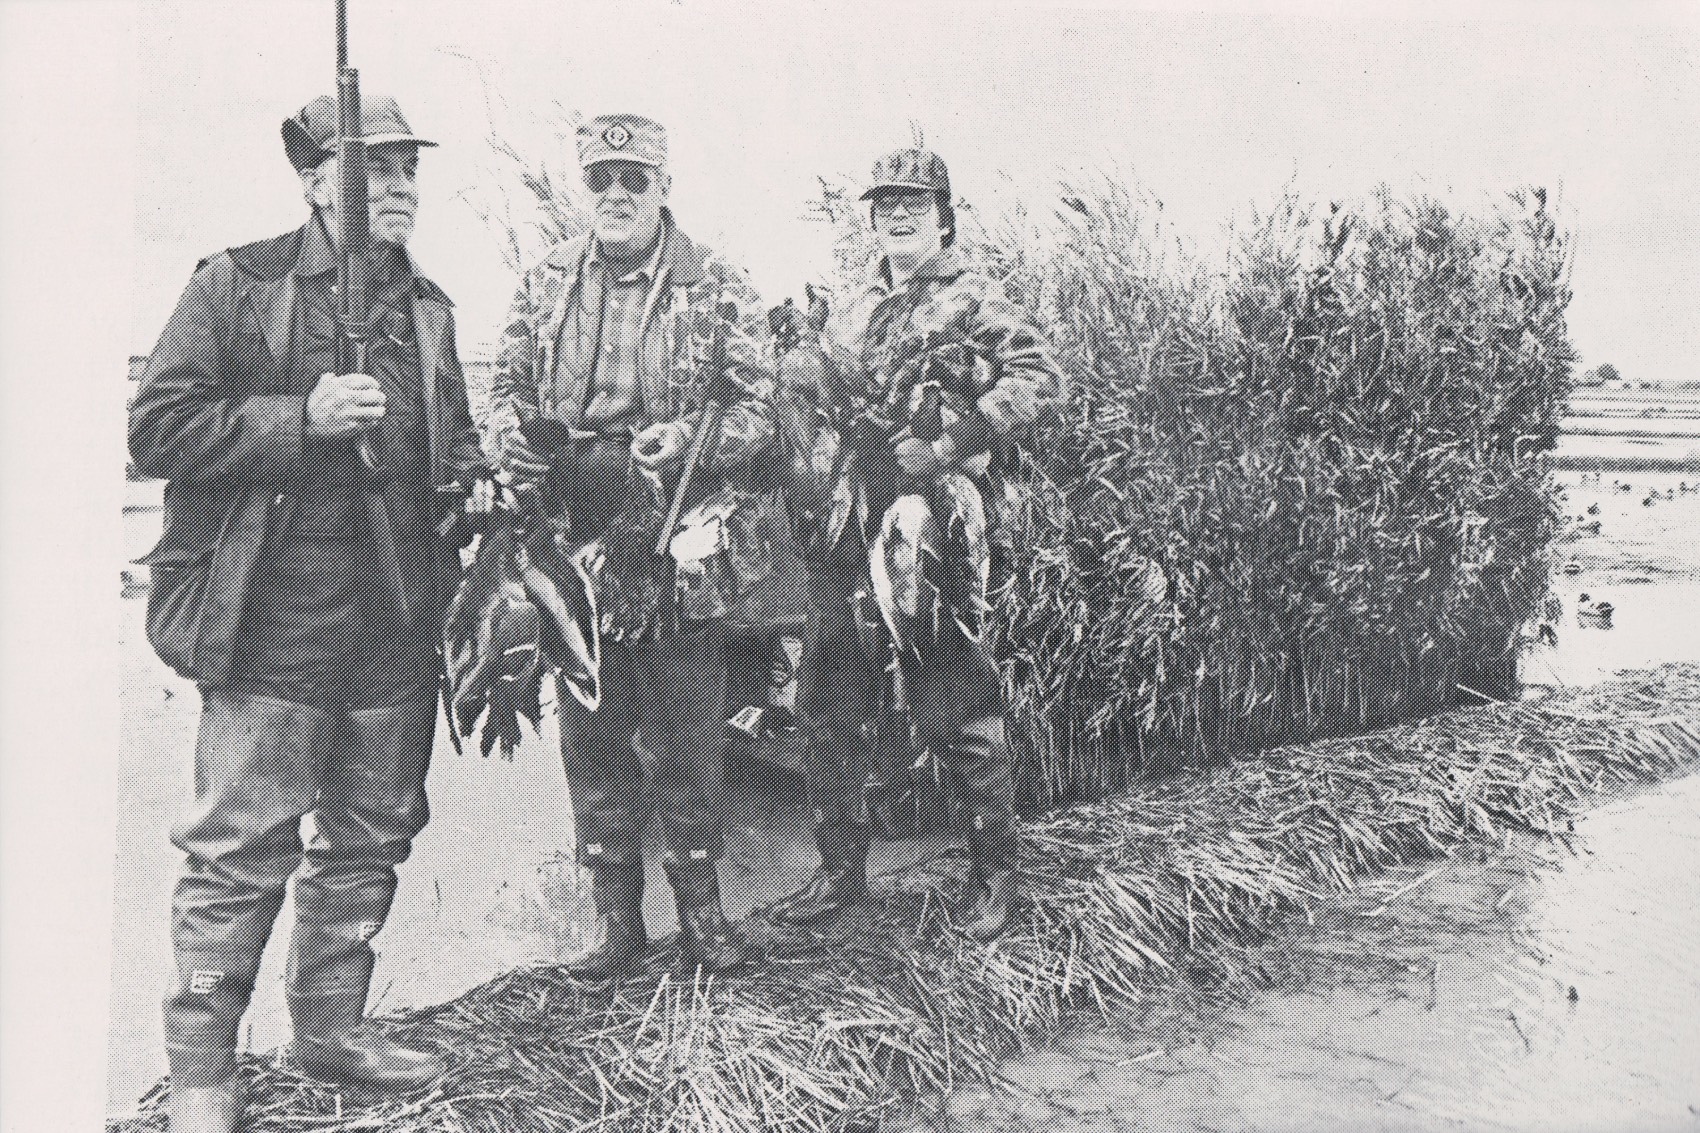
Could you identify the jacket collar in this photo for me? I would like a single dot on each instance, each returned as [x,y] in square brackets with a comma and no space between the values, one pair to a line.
[943,265]
[679,255]
[317,256]
[306,253]
[647,271]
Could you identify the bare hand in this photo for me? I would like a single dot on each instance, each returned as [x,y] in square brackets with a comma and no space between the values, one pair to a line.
[660,447]
[342,405]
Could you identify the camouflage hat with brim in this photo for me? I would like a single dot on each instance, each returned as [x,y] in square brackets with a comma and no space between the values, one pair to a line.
[622,137]
[909,169]
[310,136]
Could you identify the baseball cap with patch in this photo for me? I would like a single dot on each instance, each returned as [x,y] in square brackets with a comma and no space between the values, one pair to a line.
[910,169]
[622,137]
[310,136]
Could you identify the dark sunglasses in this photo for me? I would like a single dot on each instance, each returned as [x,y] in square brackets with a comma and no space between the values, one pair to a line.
[634,180]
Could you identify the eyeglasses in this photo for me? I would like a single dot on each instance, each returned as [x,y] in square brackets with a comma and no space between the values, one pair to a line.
[913,203]
[633,179]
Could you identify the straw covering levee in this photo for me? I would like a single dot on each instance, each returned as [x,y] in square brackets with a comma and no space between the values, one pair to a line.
[1175,880]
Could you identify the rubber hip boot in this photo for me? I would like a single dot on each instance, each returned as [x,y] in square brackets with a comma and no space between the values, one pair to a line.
[208,1109]
[706,940]
[366,1056]
[992,891]
[617,890]
[334,1044]
[841,880]
[257,768]
[371,806]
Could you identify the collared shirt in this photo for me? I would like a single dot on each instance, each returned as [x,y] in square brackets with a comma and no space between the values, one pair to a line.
[615,398]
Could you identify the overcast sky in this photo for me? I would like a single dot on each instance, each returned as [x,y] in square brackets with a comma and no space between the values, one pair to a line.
[1212,109]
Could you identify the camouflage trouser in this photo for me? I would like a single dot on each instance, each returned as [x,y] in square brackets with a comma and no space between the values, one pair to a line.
[955,706]
[261,764]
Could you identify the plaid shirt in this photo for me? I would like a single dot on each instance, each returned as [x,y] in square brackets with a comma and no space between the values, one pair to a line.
[613,311]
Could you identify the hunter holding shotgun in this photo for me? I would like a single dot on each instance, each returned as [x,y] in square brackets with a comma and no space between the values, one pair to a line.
[631,399]
[302,585]
[904,399]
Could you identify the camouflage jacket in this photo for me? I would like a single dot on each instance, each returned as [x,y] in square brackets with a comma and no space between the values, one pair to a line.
[543,369]
[951,326]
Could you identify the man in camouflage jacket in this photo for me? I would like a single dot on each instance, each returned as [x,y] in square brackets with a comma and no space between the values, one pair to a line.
[918,380]
[598,389]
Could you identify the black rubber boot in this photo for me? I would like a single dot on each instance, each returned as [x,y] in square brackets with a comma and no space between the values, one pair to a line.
[706,940]
[992,891]
[364,1055]
[620,937]
[841,880]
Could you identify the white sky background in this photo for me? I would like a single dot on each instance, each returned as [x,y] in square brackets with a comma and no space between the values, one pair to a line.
[1210,109]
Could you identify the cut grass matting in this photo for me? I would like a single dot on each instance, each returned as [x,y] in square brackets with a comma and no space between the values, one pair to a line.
[1172,881]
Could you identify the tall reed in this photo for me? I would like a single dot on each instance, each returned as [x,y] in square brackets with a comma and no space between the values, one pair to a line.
[1304,495]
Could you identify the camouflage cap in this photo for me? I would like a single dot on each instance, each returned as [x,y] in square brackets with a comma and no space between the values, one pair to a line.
[310,136]
[910,169]
[622,137]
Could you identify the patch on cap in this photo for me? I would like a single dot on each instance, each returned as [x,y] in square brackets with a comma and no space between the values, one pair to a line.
[622,137]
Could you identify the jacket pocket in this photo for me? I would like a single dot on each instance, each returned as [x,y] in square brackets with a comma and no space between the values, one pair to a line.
[177,595]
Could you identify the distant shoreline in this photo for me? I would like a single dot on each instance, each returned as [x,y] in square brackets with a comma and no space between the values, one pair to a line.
[1583,462]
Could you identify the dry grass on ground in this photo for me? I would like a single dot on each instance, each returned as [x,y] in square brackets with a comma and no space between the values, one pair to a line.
[1173,882]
